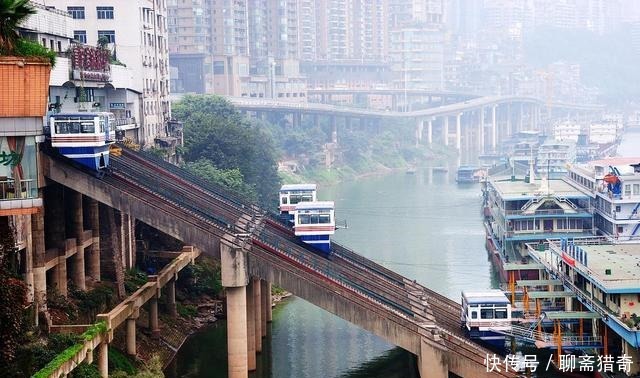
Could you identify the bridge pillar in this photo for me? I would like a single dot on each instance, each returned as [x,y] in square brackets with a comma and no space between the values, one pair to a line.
[265,296]
[55,215]
[94,249]
[481,132]
[269,301]
[334,130]
[235,279]
[131,336]
[257,312]
[251,329]
[493,127]
[153,316]
[445,130]
[509,126]
[521,117]
[430,132]
[419,129]
[78,230]
[103,359]
[39,261]
[170,290]
[432,362]
[458,131]
[316,121]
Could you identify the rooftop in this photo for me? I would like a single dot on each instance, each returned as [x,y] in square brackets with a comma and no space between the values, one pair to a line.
[598,168]
[621,260]
[520,190]
[296,187]
[314,205]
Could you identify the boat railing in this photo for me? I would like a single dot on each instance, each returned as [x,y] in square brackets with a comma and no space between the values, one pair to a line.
[576,210]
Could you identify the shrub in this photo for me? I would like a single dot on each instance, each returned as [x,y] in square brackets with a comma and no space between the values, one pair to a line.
[186,311]
[28,48]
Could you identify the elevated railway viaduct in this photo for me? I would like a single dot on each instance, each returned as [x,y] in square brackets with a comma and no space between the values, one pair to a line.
[256,250]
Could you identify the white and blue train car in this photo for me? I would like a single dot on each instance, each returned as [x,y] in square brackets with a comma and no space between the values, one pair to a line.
[486,316]
[83,137]
[293,194]
[314,223]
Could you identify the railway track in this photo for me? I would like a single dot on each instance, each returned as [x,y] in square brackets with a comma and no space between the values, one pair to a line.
[212,209]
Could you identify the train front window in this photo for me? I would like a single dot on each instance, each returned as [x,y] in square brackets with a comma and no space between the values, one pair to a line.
[324,218]
[486,313]
[304,219]
[474,314]
[284,200]
[88,128]
[501,313]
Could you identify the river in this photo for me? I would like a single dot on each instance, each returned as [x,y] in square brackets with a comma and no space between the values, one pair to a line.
[422,225]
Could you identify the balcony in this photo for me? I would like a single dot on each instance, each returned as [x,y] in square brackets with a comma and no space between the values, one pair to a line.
[18,197]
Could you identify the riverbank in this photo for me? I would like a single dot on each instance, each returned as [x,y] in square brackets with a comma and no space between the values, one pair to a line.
[345,170]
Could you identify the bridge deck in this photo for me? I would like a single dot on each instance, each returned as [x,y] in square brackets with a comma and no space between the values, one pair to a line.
[202,214]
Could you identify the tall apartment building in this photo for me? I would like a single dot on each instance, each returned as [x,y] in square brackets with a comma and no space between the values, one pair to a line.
[136,31]
[343,30]
[236,48]
[416,43]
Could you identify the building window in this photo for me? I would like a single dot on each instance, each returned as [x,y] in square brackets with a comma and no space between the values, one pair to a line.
[627,190]
[105,13]
[80,36]
[76,12]
[218,68]
[110,35]
[636,189]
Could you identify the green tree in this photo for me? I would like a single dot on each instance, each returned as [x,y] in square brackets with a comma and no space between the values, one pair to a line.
[216,132]
[12,299]
[230,178]
[12,14]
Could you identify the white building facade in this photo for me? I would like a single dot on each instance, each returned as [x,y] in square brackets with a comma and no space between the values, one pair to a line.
[136,32]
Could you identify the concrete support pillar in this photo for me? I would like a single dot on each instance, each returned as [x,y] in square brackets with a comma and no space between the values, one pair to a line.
[78,229]
[445,130]
[493,128]
[237,332]
[170,290]
[131,336]
[432,362]
[458,131]
[28,264]
[94,250]
[235,278]
[39,270]
[509,125]
[251,329]
[257,312]
[297,119]
[269,302]
[430,132]
[153,316]
[103,359]
[61,272]
[481,132]
[334,130]
[55,212]
[316,121]
[419,129]
[264,294]
[521,118]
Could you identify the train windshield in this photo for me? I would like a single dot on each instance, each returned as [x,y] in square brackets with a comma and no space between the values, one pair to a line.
[74,125]
[323,217]
[300,197]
